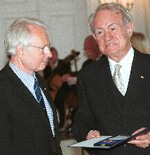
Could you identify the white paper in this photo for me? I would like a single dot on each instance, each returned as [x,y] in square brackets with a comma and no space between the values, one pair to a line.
[89,143]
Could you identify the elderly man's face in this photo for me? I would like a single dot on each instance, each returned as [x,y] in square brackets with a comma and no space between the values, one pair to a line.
[112,34]
[35,59]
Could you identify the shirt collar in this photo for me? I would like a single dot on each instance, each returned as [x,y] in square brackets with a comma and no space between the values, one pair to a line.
[124,62]
[27,79]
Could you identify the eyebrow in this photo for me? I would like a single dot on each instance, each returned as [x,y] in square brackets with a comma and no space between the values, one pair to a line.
[108,26]
[113,24]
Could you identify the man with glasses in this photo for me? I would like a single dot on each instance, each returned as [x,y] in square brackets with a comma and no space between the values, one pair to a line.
[28,117]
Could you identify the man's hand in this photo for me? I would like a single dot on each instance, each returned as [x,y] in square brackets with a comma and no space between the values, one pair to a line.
[69,79]
[93,134]
[142,141]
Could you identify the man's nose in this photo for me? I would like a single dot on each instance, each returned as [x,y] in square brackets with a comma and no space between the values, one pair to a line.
[107,36]
[48,53]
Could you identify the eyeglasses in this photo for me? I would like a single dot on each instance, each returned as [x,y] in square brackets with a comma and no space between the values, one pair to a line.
[44,48]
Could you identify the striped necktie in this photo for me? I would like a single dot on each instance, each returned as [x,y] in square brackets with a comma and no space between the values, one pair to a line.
[39,94]
[48,111]
[118,79]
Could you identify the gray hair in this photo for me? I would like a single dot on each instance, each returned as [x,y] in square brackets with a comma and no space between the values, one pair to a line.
[19,33]
[115,7]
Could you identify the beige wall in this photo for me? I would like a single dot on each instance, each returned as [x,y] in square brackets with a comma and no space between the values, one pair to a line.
[67,21]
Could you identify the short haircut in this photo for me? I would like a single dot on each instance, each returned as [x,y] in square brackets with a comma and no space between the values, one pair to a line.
[19,33]
[115,7]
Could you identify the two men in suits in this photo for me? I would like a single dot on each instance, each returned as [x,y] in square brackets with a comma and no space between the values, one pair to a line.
[105,109]
[26,127]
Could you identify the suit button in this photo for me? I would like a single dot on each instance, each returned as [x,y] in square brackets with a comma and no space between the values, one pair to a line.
[54,152]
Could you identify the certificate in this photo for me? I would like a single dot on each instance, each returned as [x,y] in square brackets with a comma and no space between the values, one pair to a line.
[108,142]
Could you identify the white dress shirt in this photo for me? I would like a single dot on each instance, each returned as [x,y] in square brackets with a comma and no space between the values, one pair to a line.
[125,70]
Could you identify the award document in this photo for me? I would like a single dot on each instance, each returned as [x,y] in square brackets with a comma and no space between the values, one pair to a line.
[108,142]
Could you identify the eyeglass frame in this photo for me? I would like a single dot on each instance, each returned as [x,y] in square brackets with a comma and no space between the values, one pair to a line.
[42,48]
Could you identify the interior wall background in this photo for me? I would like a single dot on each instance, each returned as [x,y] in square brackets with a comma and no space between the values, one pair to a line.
[67,21]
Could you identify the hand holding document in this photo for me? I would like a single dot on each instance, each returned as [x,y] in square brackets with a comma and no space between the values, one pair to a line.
[108,142]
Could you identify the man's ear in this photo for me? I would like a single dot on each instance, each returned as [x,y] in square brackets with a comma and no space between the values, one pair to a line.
[20,50]
[130,29]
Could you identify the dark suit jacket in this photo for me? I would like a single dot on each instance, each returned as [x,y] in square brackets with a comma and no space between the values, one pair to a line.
[103,108]
[87,62]
[24,127]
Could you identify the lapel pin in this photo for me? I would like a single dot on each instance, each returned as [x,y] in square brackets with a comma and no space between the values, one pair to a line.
[142,77]
[44,88]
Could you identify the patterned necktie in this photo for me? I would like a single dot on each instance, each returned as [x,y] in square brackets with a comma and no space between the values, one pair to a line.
[38,94]
[40,100]
[118,79]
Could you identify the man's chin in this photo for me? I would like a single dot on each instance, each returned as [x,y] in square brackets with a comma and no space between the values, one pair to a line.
[42,67]
[107,53]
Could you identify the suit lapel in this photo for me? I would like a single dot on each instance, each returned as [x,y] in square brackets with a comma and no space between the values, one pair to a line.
[46,91]
[108,77]
[136,76]
[28,99]
[113,93]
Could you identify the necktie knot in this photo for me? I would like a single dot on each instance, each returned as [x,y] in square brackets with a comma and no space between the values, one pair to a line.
[118,67]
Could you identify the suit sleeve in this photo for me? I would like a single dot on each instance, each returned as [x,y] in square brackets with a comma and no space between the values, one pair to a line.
[84,120]
[5,127]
